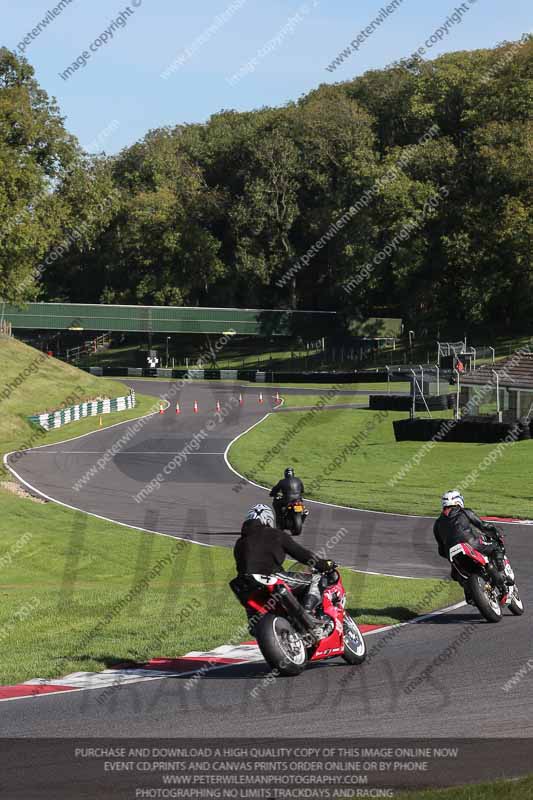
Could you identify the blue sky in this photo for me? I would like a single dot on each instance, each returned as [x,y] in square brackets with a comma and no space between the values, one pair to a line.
[119,94]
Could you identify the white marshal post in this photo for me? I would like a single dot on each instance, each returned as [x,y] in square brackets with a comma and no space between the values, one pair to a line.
[413,407]
[498,409]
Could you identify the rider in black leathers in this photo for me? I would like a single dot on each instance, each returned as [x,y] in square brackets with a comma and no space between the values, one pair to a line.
[459,524]
[286,490]
[262,549]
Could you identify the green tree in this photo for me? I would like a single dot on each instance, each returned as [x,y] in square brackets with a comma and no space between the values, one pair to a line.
[35,153]
[265,214]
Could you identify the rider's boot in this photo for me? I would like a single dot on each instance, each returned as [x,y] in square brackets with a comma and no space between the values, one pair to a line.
[497,574]
[312,600]
[313,597]
[499,562]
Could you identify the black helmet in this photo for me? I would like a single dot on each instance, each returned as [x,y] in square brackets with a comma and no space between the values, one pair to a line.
[289,472]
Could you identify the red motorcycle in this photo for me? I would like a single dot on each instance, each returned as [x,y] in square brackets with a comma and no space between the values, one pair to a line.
[476,574]
[288,636]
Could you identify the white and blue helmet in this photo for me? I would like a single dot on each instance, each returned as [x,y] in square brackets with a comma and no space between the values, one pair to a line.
[453,498]
[263,514]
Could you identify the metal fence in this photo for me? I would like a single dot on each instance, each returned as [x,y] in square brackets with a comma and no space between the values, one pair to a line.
[504,404]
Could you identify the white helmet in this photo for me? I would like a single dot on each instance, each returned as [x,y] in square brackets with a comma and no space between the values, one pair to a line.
[453,498]
[263,514]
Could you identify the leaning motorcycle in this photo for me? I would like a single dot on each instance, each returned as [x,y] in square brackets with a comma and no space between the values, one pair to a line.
[285,634]
[476,575]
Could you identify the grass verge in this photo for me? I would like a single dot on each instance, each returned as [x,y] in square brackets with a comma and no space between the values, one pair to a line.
[366,477]
[521,789]
[66,578]
[304,400]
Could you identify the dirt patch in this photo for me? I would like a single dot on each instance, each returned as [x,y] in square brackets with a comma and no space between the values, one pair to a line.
[20,491]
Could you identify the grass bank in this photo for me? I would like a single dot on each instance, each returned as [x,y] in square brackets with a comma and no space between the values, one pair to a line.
[33,383]
[380,473]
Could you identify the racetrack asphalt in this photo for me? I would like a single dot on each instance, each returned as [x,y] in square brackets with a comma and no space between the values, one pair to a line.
[463,695]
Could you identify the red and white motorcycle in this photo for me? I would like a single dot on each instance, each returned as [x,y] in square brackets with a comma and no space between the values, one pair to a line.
[283,631]
[476,574]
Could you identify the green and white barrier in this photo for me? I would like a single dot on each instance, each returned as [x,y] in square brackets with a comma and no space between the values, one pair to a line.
[56,419]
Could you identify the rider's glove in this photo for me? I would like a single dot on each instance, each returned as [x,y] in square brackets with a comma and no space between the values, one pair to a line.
[325,565]
[497,535]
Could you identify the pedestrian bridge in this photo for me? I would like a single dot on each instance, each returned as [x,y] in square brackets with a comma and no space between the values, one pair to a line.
[168,319]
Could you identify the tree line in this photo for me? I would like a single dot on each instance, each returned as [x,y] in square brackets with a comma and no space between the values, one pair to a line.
[406,192]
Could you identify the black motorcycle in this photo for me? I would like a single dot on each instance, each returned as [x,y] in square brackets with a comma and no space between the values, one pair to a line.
[291,516]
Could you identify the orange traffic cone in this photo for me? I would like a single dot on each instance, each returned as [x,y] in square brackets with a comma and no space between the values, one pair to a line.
[260,397]
[240,400]
[195,407]
[161,408]
[178,410]
[218,405]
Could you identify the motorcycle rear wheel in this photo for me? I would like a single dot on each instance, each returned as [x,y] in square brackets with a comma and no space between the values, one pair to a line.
[487,607]
[516,605]
[354,642]
[282,647]
[297,523]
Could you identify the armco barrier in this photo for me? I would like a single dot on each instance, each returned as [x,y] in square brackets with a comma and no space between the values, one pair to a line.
[56,419]
[174,374]
[423,430]
[253,376]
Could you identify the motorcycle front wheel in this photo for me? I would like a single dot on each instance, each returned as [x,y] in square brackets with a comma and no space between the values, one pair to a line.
[485,598]
[354,642]
[516,605]
[281,645]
